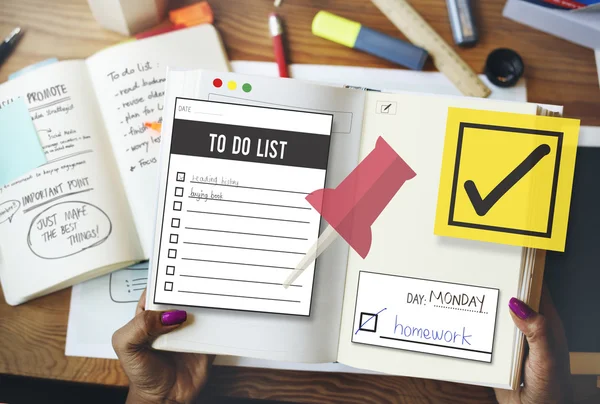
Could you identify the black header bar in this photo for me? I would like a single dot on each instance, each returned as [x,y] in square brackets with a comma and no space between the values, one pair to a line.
[257,145]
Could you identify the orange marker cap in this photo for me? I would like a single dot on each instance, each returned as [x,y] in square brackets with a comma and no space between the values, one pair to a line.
[196,14]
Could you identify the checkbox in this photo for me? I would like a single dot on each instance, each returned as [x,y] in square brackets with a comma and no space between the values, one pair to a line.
[180,177]
[387,107]
[175,223]
[172,253]
[174,238]
[168,286]
[178,191]
[177,205]
[170,270]
[368,322]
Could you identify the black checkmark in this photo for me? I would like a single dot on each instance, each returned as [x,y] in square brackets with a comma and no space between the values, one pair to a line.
[483,206]
[387,107]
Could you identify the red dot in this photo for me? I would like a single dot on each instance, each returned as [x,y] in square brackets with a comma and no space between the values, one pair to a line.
[217,83]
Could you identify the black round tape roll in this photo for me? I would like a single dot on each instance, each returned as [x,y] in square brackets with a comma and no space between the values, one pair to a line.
[504,67]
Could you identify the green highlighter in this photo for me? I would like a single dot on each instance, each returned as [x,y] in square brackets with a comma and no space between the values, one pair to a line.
[353,35]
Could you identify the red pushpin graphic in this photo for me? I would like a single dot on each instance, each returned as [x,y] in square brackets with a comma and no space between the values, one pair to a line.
[352,207]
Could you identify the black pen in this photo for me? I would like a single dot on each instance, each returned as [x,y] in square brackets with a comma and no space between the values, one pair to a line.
[9,43]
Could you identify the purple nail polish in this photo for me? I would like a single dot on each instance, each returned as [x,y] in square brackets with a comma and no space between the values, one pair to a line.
[522,310]
[173,317]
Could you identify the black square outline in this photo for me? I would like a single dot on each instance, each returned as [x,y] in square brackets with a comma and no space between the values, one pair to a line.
[173,223]
[174,252]
[176,238]
[362,313]
[168,267]
[175,204]
[548,233]
[167,290]
[178,189]
[177,177]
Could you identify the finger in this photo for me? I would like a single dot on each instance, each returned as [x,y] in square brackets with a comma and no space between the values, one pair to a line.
[145,328]
[535,327]
[141,305]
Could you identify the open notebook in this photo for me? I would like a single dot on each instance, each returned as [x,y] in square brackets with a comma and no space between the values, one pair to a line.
[217,252]
[86,211]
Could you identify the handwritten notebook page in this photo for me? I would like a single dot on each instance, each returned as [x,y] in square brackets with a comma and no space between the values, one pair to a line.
[265,335]
[129,80]
[69,217]
[404,234]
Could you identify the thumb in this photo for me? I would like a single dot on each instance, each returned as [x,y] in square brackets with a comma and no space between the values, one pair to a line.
[535,328]
[145,327]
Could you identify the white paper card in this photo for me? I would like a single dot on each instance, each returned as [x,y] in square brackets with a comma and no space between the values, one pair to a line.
[426,316]
[235,219]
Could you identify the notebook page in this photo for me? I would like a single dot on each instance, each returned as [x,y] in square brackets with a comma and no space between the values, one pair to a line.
[262,335]
[404,245]
[92,338]
[71,217]
[129,80]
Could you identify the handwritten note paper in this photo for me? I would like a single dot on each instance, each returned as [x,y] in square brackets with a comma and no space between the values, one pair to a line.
[21,150]
[68,217]
[138,93]
[130,83]
[235,220]
[426,316]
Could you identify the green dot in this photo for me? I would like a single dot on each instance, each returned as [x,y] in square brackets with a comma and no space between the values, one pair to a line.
[247,87]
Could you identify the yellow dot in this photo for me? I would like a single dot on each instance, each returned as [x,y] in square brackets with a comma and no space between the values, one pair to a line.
[232,85]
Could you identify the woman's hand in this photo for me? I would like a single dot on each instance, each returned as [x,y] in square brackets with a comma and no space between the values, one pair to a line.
[547,377]
[158,376]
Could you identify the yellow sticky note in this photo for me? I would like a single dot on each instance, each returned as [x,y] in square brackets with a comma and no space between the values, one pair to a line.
[507,178]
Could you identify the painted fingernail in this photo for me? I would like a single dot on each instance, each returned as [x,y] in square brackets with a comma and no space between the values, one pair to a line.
[522,310]
[173,317]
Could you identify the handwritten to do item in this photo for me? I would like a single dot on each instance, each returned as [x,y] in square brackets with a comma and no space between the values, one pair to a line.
[432,317]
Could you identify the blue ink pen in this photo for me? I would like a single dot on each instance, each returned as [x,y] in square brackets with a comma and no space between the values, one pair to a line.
[462,20]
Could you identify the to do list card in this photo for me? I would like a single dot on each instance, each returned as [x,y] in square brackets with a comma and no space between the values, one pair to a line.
[235,220]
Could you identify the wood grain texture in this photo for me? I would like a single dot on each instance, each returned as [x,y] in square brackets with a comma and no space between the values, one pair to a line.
[33,335]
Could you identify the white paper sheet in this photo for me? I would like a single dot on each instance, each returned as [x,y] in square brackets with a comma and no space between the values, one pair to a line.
[235,218]
[438,318]
[101,306]
[86,336]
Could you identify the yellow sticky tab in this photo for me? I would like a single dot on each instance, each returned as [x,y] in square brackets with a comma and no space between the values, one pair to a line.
[335,28]
[507,178]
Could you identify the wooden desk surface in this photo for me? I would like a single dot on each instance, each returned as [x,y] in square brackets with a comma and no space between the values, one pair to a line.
[33,334]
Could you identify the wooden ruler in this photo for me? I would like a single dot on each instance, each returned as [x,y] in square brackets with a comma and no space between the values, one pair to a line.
[419,32]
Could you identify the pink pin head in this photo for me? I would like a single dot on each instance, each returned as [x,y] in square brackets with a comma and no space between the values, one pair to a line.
[355,204]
